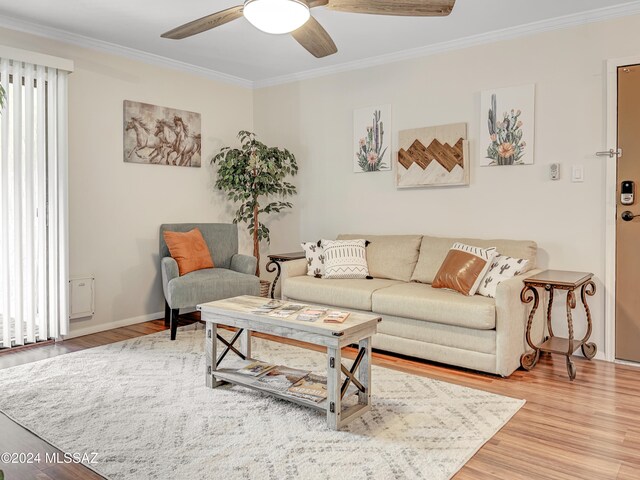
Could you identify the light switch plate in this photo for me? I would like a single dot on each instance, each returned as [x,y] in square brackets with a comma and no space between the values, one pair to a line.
[577,173]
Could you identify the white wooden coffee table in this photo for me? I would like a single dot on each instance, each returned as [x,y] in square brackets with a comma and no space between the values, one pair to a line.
[358,328]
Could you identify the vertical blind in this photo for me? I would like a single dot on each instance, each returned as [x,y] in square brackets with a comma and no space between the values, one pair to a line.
[33,204]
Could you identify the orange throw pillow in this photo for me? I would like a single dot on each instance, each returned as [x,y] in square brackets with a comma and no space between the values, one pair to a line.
[188,249]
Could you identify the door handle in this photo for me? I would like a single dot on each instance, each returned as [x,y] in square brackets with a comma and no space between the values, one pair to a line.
[611,153]
[627,216]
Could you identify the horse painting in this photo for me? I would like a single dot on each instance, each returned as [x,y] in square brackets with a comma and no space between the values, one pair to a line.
[144,139]
[185,145]
[161,135]
[164,131]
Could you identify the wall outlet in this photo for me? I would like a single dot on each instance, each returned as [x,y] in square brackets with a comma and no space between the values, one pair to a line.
[577,174]
[554,171]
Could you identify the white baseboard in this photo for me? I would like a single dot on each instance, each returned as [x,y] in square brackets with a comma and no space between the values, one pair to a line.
[101,327]
[600,355]
[627,363]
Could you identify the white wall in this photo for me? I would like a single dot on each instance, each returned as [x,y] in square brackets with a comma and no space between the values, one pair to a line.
[115,208]
[314,119]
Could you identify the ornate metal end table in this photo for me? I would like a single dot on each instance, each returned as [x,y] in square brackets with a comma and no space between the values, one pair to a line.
[274,265]
[552,280]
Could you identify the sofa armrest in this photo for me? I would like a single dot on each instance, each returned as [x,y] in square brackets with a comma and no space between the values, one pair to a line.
[169,270]
[511,321]
[244,264]
[292,268]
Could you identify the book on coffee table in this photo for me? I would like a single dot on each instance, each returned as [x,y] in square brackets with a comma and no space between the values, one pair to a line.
[312,387]
[255,369]
[335,316]
[287,310]
[267,307]
[311,314]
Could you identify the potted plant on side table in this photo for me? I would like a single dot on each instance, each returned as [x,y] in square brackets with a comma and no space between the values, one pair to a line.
[255,175]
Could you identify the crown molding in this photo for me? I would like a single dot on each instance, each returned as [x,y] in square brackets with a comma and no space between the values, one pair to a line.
[557,23]
[114,49]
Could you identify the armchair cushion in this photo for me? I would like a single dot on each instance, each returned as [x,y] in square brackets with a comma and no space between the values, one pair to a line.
[208,285]
[244,264]
[221,238]
[188,249]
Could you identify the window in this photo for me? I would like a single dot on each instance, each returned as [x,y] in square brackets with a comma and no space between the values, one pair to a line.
[33,218]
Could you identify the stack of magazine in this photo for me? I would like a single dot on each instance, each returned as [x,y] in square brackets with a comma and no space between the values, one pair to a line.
[255,369]
[278,309]
[330,316]
[311,314]
[312,387]
[268,307]
[287,310]
[281,379]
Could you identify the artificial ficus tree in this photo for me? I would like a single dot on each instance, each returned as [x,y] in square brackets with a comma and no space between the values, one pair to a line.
[255,175]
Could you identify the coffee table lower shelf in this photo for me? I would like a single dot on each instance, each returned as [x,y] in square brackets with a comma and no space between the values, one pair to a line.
[230,375]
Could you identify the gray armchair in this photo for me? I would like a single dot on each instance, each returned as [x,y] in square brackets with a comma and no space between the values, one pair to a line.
[233,275]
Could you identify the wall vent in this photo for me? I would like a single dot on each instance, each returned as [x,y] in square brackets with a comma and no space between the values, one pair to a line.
[81,297]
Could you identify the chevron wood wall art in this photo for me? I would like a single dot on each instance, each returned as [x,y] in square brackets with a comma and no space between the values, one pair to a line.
[433,156]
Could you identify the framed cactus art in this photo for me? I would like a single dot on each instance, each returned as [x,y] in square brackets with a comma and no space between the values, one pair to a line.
[507,126]
[372,139]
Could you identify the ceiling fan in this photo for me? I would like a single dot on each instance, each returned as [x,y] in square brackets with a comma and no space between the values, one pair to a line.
[294,16]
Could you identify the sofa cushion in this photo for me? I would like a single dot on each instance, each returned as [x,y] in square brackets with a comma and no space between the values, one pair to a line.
[390,256]
[208,285]
[423,302]
[434,250]
[344,293]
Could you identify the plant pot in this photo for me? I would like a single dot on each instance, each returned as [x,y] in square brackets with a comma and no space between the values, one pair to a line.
[264,288]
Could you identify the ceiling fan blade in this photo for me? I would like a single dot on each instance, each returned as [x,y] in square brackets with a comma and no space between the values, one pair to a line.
[315,39]
[205,23]
[410,8]
[316,3]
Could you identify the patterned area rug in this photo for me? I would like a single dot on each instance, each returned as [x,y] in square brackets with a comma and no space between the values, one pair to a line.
[143,407]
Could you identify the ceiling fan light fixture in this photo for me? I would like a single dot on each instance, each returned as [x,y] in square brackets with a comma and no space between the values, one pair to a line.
[276,16]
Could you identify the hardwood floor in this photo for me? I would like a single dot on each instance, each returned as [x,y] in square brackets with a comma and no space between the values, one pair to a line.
[589,428]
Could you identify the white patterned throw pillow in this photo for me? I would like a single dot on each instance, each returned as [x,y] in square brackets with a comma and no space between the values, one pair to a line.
[502,268]
[345,258]
[314,253]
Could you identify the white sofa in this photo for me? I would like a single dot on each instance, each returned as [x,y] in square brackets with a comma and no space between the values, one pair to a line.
[474,332]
